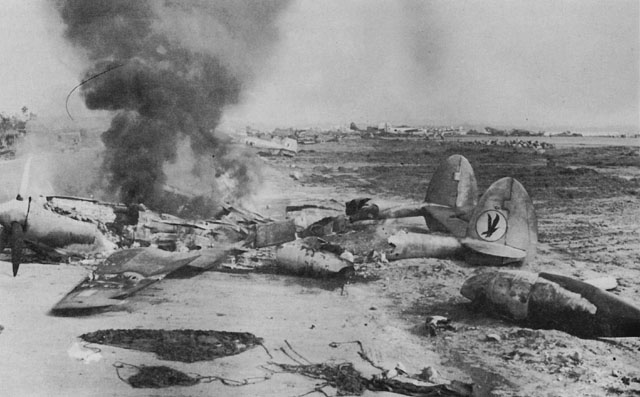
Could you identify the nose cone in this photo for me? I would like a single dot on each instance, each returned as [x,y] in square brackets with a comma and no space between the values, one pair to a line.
[503,225]
[475,287]
[506,292]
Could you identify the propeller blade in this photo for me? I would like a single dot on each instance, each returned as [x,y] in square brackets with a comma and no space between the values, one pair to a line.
[16,241]
[24,183]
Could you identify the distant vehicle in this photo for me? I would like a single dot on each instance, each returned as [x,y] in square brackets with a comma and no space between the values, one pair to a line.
[404,130]
[495,131]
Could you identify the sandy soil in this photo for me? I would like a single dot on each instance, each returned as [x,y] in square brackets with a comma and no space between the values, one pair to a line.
[589,226]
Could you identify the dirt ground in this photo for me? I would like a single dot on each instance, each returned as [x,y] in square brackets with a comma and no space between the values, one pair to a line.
[587,199]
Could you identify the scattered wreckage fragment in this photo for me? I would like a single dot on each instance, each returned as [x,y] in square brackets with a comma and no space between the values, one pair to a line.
[318,218]
[155,376]
[451,197]
[185,345]
[312,255]
[201,245]
[419,245]
[127,271]
[502,230]
[234,225]
[304,215]
[552,301]
[62,227]
[119,276]
[347,380]
[273,233]
[327,226]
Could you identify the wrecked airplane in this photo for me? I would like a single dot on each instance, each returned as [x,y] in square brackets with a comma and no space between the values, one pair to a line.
[171,244]
[502,230]
[312,255]
[126,272]
[60,227]
[275,145]
[498,229]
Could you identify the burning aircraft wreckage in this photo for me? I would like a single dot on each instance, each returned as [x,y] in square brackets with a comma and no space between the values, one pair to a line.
[131,247]
[164,94]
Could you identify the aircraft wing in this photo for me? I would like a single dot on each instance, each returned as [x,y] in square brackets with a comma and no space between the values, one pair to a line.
[99,293]
[621,318]
[121,275]
[147,262]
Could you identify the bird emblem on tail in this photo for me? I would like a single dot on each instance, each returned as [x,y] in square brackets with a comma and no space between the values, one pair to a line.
[492,225]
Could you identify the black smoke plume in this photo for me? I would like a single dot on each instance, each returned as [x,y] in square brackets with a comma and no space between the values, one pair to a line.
[168,90]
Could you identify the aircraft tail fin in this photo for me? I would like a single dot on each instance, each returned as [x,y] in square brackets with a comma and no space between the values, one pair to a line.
[453,185]
[503,228]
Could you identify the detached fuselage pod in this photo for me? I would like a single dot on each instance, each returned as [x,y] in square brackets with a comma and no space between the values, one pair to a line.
[502,230]
[27,221]
[552,301]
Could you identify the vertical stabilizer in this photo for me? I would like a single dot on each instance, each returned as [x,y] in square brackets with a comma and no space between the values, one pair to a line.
[454,186]
[503,225]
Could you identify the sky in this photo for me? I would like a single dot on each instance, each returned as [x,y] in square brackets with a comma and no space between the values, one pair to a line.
[520,63]
[38,68]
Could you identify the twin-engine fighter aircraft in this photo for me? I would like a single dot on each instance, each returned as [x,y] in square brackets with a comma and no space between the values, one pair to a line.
[499,228]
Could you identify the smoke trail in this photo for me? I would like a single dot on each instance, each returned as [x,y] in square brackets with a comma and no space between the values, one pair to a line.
[172,88]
